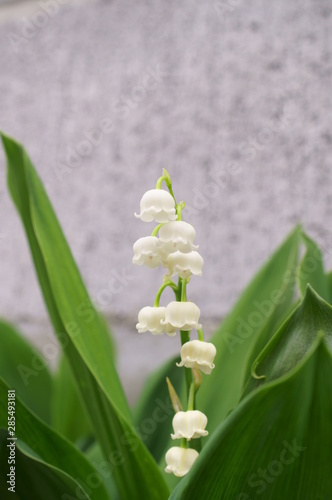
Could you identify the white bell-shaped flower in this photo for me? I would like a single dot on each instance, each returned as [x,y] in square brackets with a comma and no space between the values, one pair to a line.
[184,264]
[198,353]
[150,318]
[177,235]
[180,460]
[182,316]
[147,251]
[189,424]
[157,205]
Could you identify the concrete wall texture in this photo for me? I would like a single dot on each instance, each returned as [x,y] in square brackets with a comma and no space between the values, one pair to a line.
[232,97]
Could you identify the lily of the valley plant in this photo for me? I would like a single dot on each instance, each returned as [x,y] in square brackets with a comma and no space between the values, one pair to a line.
[246,415]
[174,249]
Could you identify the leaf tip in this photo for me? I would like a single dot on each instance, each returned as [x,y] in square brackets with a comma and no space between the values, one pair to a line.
[320,335]
[175,400]
[254,374]
[310,293]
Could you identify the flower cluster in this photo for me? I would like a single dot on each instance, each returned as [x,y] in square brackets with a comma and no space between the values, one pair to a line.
[171,245]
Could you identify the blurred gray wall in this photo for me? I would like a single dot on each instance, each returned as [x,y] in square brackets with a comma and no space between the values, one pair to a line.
[232,97]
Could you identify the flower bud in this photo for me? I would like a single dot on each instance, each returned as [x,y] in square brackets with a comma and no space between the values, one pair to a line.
[180,460]
[177,235]
[175,400]
[198,353]
[182,316]
[184,264]
[189,424]
[147,251]
[157,205]
[149,319]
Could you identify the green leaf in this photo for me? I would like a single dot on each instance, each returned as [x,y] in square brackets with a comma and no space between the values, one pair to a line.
[67,404]
[25,369]
[255,316]
[84,337]
[45,445]
[34,479]
[96,457]
[329,283]
[265,336]
[294,339]
[311,269]
[276,444]
[153,413]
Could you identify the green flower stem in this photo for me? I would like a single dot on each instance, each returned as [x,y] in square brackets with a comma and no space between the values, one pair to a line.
[167,283]
[196,444]
[185,338]
[191,397]
[183,290]
[160,181]
[167,178]
[179,207]
[184,443]
[181,296]
[200,334]
[156,229]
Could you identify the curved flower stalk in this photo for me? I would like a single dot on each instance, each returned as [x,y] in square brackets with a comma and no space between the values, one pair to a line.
[175,250]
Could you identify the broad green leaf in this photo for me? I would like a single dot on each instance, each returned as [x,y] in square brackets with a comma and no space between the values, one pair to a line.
[153,413]
[257,313]
[22,366]
[36,480]
[265,336]
[67,404]
[49,447]
[95,455]
[311,269]
[294,339]
[276,444]
[329,283]
[85,340]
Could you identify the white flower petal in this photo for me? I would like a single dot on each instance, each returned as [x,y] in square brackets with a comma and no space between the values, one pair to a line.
[157,205]
[189,425]
[177,235]
[199,354]
[147,251]
[150,319]
[185,264]
[182,316]
[180,460]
